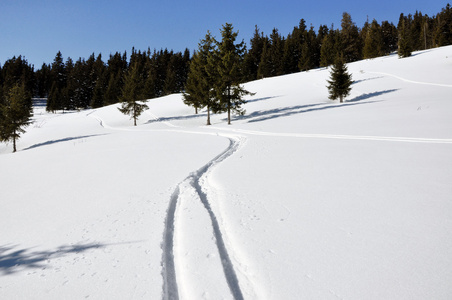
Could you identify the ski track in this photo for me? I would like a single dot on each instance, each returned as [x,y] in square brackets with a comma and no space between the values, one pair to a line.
[338,136]
[411,81]
[196,180]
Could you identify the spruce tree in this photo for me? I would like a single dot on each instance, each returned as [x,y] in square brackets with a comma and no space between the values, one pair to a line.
[253,56]
[404,39]
[373,41]
[200,81]
[16,111]
[131,92]
[340,84]
[330,44]
[227,61]
[351,45]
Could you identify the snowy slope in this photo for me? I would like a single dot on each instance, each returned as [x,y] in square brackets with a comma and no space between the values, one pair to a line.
[301,198]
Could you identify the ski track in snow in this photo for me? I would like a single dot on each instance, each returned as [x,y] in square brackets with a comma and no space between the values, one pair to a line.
[410,81]
[338,136]
[196,180]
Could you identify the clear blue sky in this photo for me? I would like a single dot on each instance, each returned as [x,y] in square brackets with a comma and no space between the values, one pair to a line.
[38,29]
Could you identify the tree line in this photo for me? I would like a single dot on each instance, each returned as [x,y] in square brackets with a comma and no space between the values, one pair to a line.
[94,82]
[304,48]
[69,85]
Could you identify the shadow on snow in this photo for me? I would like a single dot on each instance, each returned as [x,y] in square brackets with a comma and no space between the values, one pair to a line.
[60,141]
[13,260]
[263,115]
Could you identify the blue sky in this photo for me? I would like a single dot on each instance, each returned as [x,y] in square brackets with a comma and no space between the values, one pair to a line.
[39,29]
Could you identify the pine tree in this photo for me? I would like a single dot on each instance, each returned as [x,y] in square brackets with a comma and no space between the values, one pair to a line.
[131,104]
[310,52]
[200,81]
[373,41]
[265,65]
[16,111]
[329,49]
[58,77]
[351,45]
[253,56]
[404,39]
[227,59]
[340,84]
[389,37]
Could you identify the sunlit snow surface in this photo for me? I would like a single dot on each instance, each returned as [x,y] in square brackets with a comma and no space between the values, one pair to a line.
[300,198]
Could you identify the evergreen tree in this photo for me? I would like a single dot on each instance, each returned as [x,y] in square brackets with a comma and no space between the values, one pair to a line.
[329,49]
[293,48]
[253,56]
[200,79]
[265,65]
[351,45]
[389,37]
[228,60]
[18,71]
[339,85]
[276,53]
[131,92]
[58,76]
[404,39]
[43,81]
[15,112]
[373,41]
[117,66]
[443,32]
[310,52]
[100,82]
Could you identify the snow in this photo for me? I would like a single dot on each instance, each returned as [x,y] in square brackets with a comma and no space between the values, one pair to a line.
[301,198]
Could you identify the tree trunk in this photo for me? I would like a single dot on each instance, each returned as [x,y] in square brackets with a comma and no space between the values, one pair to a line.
[134,114]
[229,105]
[208,116]
[342,98]
[14,142]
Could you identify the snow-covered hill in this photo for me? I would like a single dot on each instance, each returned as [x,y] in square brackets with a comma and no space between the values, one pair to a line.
[301,198]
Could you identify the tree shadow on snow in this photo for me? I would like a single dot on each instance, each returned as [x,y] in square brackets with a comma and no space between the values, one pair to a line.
[13,260]
[264,115]
[61,140]
[177,118]
[261,99]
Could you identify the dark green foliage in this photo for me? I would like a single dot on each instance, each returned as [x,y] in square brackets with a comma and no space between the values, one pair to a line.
[253,56]
[83,83]
[329,49]
[15,113]
[226,63]
[373,41]
[58,77]
[339,85]
[351,43]
[310,51]
[389,37]
[443,30]
[131,93]
[17,71]
[405,43]
[272,56]
[199,83]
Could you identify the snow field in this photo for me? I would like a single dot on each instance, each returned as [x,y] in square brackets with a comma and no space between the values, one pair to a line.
[301,198]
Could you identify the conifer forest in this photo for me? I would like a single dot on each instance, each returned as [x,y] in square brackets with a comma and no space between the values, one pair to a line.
[99,81]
